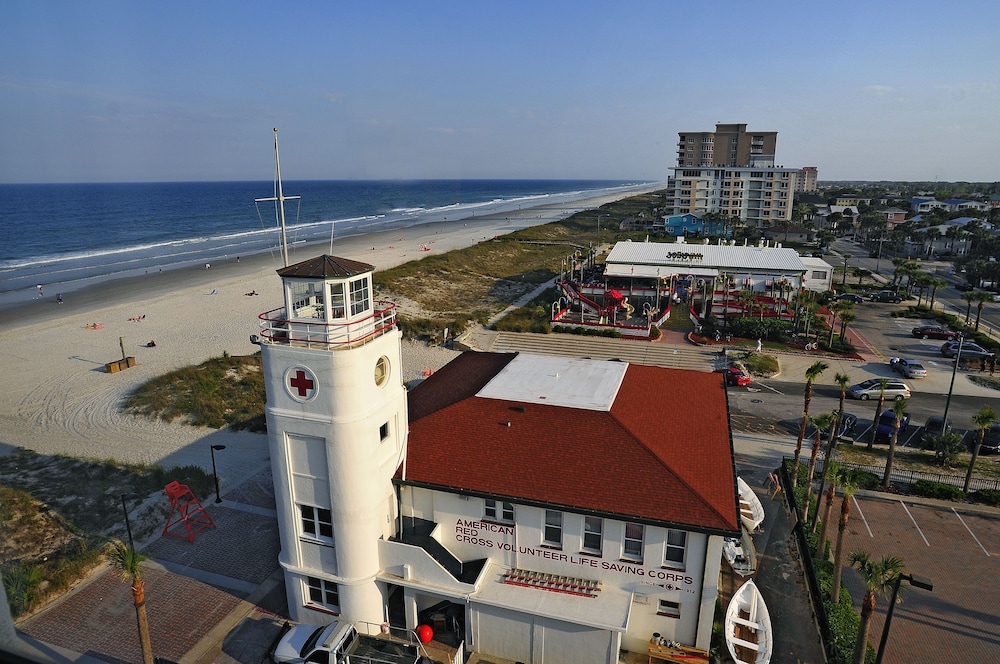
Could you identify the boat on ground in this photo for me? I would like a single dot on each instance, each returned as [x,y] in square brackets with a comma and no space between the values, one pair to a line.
[748,626]
[740,553]
[751,509]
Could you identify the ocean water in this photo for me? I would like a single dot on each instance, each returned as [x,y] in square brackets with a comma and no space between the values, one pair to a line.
[68,235]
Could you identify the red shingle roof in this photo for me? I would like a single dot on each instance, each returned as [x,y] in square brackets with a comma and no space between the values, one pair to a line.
[662,454]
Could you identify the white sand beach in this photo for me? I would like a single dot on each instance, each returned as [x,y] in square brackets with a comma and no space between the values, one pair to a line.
[58,399]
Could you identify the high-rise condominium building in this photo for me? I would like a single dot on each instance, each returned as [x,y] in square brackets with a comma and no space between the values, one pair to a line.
[731,172]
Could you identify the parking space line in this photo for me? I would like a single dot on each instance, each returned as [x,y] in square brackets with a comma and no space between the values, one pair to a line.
[914,522]
[857,505]
[970,531]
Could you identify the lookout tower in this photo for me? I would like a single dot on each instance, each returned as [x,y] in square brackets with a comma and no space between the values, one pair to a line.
[337,425]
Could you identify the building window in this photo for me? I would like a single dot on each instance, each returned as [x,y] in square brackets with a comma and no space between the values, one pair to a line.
[497,510]
[676,548]
[359,296]
[593,534]
[323,593]
[668,609]
[632,544]
[818,274]
[317,522]
[337,300]
[383,432]
[552,534]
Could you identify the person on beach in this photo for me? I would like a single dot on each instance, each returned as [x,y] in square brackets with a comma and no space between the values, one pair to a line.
[151,344]
[40,293]
[59,298]
[760,344]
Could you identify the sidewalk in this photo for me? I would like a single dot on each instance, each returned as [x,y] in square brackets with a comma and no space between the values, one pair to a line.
[219,598]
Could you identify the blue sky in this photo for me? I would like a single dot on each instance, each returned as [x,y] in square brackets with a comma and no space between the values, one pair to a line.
[148,91]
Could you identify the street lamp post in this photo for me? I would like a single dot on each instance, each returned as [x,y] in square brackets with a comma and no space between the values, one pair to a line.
[878,257]
[915,581]
[128,526]
[214,473]
[954,370]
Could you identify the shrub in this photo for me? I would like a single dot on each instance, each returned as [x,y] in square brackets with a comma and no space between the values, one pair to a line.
[986,497]
[929,489]
[865,480]
[761,364]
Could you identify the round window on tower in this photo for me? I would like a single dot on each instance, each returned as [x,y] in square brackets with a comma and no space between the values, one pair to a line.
[381,370]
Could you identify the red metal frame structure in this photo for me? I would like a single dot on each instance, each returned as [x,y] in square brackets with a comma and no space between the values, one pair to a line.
[185,509]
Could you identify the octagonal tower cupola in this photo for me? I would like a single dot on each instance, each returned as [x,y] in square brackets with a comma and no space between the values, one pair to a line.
[328,303]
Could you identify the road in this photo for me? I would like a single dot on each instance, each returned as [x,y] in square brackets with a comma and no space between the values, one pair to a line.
[950,297]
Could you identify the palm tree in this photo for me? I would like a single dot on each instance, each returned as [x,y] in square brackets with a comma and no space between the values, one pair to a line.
[846,319]
[841,308]
[882,384]
[936,283]
[969,297]
[847,257]
[899,409]
[812,373]
[982,297]
[984,419]
[127,563]
[836,474]
[848,488]
[746,299]
[879,576]
[842,380]
[822,422]
[726,281]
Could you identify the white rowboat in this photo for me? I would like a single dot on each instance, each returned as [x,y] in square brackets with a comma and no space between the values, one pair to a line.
[740,553]
[751,509]
[748,626]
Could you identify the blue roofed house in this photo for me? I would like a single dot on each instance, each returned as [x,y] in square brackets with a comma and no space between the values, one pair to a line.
[690,225]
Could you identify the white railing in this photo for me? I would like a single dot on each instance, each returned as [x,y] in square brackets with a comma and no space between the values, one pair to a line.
[276,328]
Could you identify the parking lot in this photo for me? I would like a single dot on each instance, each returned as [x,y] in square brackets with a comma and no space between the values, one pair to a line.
[956,547]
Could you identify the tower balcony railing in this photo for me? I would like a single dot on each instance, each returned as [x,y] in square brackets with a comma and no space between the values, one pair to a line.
[277,328]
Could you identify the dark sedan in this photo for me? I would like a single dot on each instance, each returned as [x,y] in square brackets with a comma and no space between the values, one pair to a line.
[883,431]
[934,332]
[850,297]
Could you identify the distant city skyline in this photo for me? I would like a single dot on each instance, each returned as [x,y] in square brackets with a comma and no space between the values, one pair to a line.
[125,92]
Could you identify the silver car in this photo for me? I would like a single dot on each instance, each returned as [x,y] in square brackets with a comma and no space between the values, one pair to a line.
[869,389]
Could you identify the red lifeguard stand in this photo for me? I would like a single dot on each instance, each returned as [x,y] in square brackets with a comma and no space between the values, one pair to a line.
[185,509]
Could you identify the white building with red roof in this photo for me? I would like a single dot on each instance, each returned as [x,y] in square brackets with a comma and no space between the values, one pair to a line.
[538,509]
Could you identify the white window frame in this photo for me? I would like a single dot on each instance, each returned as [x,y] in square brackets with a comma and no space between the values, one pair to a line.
[626,539]
[668,608]
[360,296]
[316,522]
[498,510]
[673,546]
[552,528]
[593,527]
[327,590]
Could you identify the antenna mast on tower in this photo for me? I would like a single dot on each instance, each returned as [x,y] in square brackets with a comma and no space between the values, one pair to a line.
[280,198]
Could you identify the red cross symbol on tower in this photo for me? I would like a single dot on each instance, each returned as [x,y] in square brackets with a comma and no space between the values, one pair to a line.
[301,382]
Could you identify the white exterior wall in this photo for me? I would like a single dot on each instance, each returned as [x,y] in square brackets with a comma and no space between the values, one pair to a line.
[463,531]
[346,413]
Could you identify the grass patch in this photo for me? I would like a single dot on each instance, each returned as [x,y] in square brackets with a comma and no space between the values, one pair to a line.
[223,391]
[992,383]
[479,281]
[57,512]
[761,364]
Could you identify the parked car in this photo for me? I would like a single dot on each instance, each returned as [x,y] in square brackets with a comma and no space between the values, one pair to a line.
[908,367]
[970,351]
[735,376]
[850,297]
[845,427]
[964,286]
[934,426]
[869,389]
[991,440]
[887,296]
[886,421]
[934,332]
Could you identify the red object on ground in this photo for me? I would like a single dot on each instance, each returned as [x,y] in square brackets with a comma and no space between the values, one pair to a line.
[424,633]
[185,510]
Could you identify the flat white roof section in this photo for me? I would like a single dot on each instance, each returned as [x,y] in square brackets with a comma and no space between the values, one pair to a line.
[654,271]
[682,256]
[569,382]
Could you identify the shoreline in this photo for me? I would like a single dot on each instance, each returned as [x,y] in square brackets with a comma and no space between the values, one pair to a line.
[391,248]
[64,402]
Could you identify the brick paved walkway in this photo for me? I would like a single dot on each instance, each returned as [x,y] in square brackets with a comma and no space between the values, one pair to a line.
[190,586]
